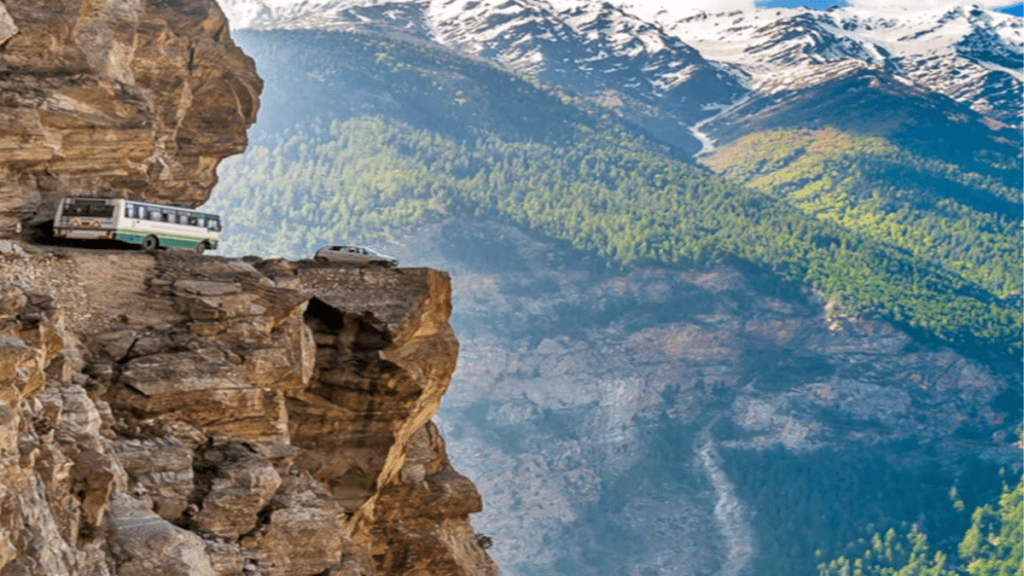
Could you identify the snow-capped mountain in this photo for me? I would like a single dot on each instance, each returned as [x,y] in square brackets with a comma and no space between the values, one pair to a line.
[592,49]
[969,54]
[599,51]
[670,74]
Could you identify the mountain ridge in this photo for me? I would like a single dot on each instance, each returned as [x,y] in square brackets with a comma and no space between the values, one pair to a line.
[969,54]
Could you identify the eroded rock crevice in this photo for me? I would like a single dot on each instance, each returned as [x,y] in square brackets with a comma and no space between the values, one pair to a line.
[353,386]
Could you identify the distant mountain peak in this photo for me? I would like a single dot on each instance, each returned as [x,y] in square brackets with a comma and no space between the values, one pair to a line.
[967,53]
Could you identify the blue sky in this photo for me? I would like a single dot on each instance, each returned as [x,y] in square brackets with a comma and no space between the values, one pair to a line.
[1016,9]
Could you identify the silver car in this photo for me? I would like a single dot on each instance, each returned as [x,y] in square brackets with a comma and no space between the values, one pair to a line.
[354,255]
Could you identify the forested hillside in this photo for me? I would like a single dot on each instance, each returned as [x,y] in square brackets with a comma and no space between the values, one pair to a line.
[991,546]
[401,134]
[963,222]
[565,226]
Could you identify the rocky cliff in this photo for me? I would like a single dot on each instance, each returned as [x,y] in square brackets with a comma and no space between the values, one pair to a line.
[117,97]
[182,415]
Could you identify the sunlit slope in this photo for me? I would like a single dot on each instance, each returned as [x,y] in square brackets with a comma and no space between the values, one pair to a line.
[361,136]
[964,222]
[891,161]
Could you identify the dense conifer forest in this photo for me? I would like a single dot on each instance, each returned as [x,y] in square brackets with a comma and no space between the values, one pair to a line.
[991,546]
[961,221]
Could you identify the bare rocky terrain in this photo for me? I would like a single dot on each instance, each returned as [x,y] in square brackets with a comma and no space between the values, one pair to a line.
[636,398]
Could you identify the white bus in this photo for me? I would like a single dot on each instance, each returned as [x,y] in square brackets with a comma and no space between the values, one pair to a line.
[150,225]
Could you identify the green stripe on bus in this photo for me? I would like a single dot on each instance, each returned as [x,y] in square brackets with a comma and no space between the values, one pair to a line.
[166,240]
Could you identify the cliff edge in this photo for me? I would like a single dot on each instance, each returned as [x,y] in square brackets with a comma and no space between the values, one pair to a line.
[176,414]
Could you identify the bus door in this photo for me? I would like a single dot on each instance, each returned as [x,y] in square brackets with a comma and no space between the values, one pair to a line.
[131,214]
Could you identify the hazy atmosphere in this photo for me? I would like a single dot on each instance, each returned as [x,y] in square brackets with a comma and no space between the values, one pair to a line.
[647,349]
[528,287]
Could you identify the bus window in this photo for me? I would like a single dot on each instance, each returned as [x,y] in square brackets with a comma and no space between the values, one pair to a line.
[192,220]
[129,210]
[213,223]
[88,208]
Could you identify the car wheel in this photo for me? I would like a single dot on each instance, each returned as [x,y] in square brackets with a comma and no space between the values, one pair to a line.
[150,243]
[201,247]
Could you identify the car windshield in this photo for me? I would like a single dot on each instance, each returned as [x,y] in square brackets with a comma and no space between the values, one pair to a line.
[356,250]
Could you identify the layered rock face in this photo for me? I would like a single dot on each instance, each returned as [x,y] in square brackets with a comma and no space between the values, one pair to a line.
[181,415]
[127,98]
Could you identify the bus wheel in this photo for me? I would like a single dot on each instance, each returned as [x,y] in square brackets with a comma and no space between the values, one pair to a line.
[150,243]
[201,247]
